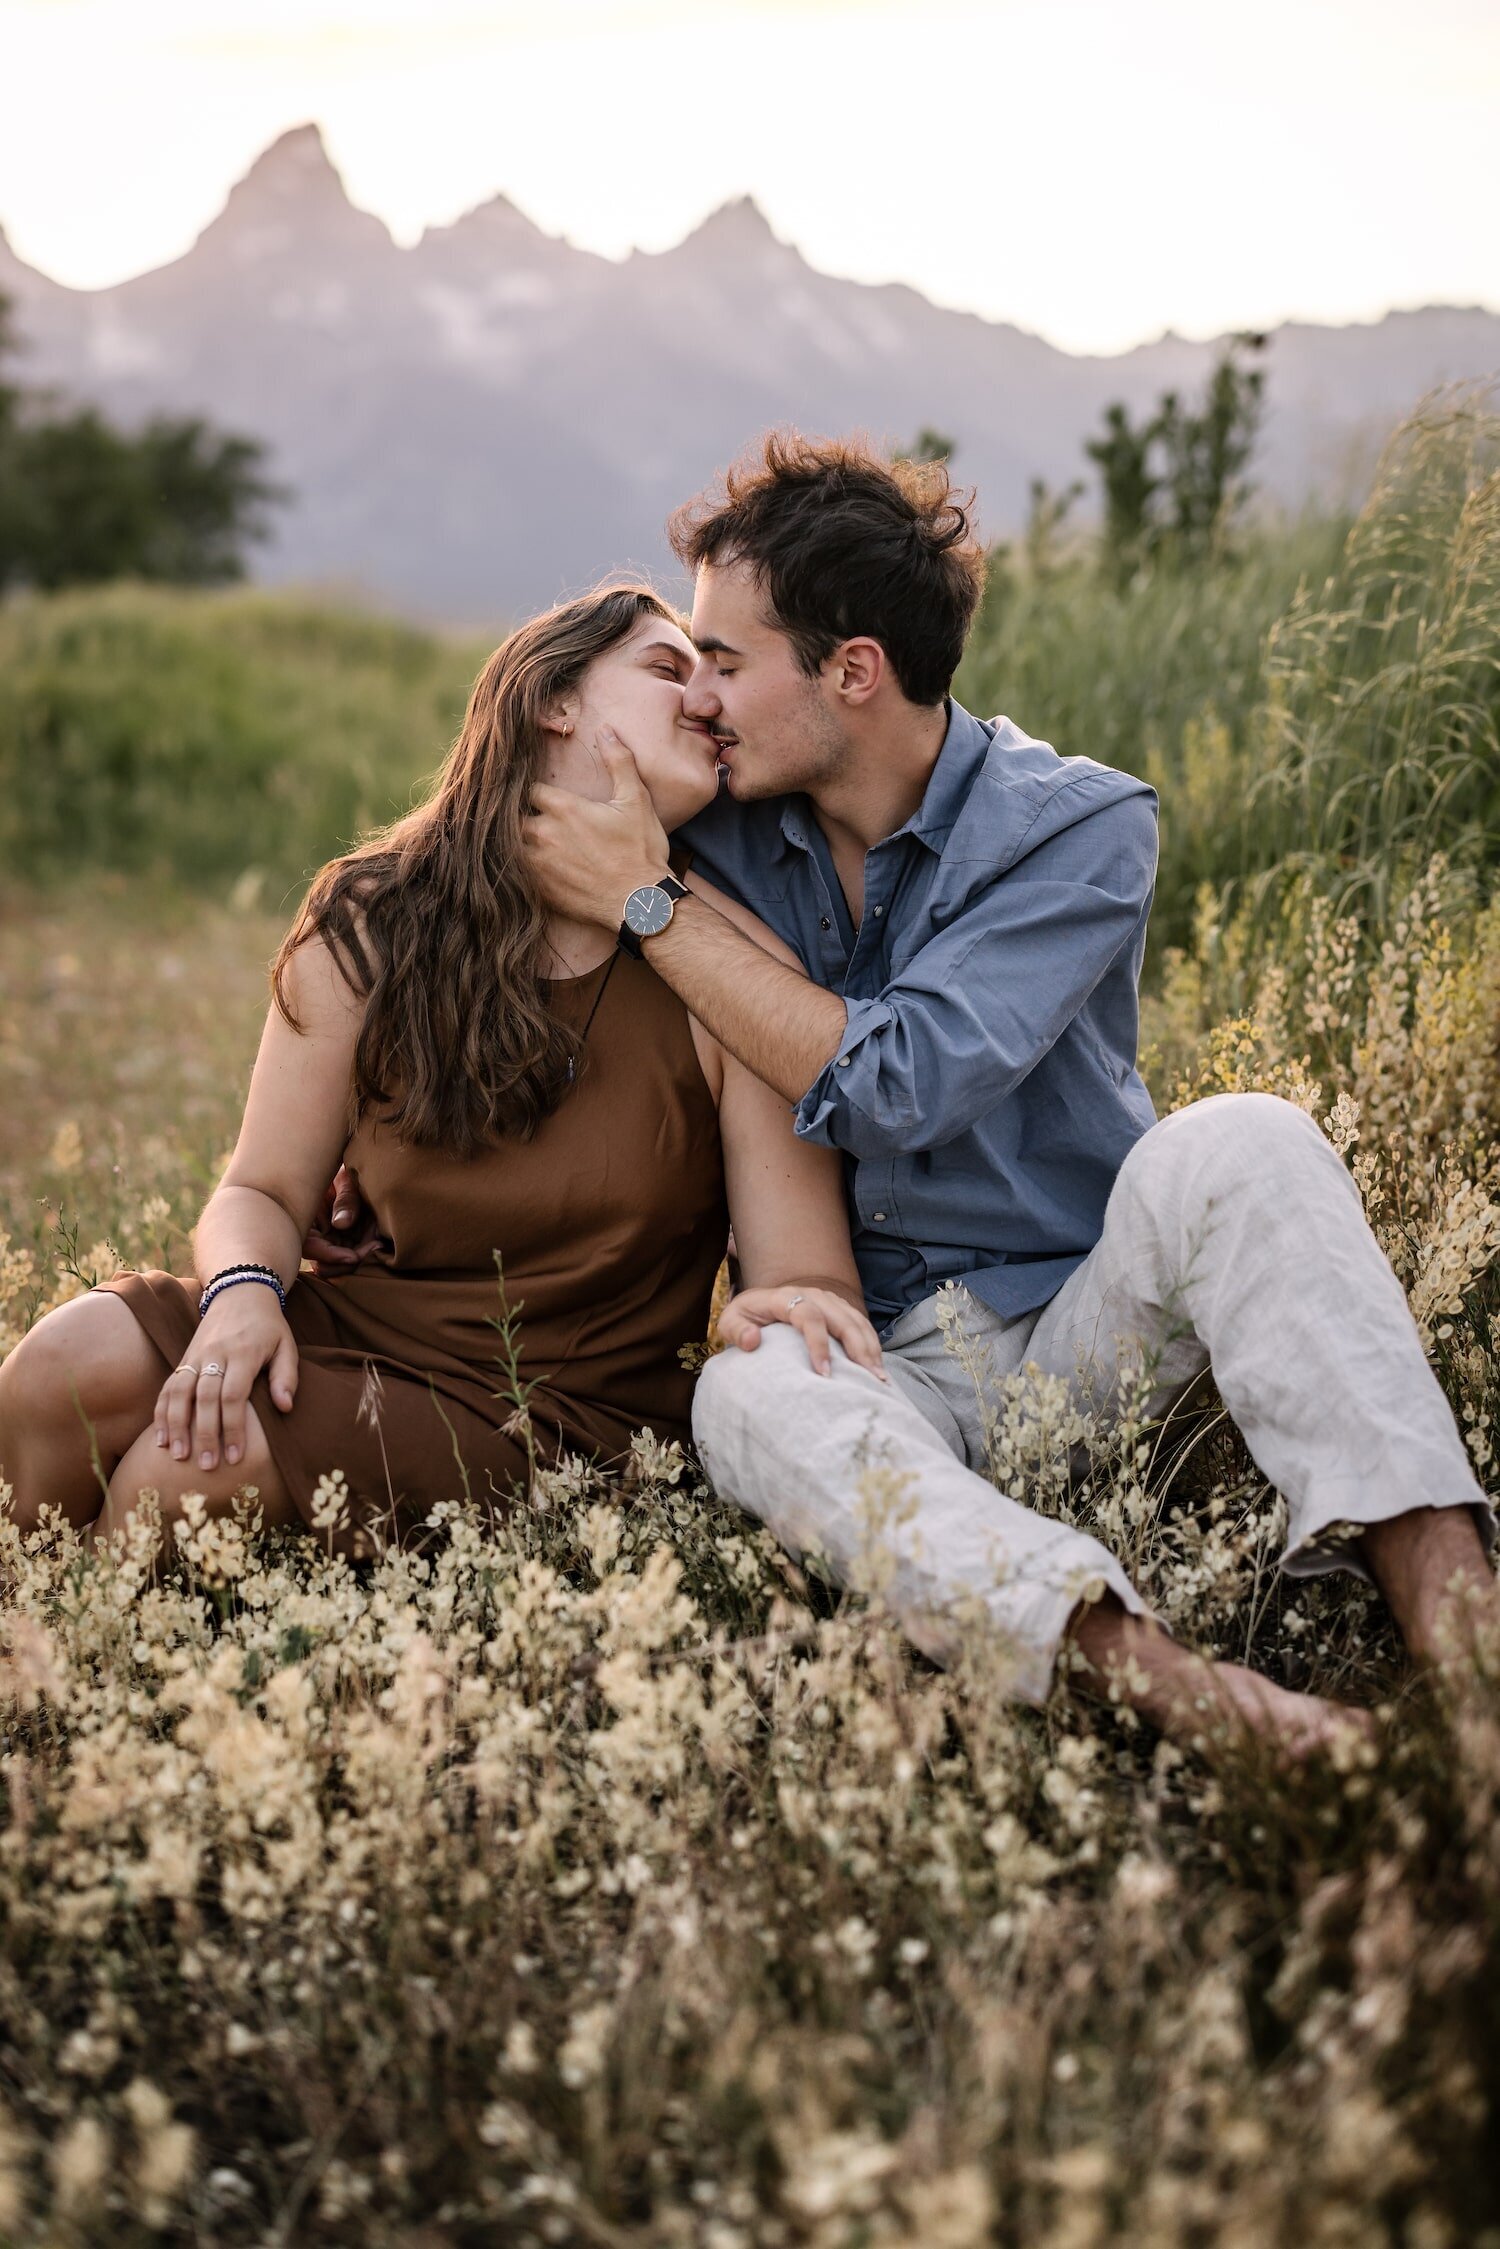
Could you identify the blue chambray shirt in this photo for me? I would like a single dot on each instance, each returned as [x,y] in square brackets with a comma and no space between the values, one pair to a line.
[986,1092]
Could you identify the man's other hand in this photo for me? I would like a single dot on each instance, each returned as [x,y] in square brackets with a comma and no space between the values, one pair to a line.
[587,855]
[344,1232]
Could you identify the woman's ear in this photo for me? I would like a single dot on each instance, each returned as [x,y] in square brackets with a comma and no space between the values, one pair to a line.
[561,717]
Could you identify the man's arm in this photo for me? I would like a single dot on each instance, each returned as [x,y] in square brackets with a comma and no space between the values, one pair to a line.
[589,856]
[974,1011]
[772,1018]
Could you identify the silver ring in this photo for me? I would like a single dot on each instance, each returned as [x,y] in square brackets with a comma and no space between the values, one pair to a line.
[186,1367]
[796,1300]
[213,1367]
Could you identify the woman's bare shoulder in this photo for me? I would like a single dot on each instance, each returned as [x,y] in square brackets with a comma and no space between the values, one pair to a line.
[741,916]
[323,974]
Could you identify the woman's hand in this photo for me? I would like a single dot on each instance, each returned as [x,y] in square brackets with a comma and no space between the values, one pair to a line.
[202,1402]
[816,1313]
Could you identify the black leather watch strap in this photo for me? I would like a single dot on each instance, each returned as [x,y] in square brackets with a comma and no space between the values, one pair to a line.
[628,940]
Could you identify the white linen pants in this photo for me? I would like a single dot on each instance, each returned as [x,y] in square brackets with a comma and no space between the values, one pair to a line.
[1234,1237]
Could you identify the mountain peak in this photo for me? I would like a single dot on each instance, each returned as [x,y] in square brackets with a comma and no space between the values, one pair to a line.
[290,199]
[493,222]
[738,225]
[296,163]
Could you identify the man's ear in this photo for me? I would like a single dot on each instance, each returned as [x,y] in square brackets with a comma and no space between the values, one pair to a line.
[857,669]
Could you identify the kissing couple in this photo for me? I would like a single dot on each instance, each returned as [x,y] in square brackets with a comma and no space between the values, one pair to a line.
[748,923]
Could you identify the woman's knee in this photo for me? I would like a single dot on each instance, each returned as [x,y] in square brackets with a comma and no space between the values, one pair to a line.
[89,1357]
[147,1466]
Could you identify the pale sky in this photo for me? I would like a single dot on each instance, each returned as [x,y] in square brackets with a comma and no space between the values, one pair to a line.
[1097,170]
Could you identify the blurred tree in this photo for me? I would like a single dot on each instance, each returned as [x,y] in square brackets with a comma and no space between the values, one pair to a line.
[1122,456]
[1174,484]
[1046,513]
[82,501]
[1206,453]
[928,445]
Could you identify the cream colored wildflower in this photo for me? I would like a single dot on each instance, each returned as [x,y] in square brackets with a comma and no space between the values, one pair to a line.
[80,2163]
[66,1151]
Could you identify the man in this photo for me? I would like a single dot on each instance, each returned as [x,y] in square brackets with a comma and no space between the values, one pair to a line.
[971,912]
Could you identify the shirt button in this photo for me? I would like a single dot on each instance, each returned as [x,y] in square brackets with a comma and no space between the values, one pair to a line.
[824,922]
[878,1216]
[843,1061]
[877,911]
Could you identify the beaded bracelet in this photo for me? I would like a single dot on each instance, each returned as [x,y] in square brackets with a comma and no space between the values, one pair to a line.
[233,1275]
[269,1272]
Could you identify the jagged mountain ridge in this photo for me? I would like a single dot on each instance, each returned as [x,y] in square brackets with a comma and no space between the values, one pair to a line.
[476,423]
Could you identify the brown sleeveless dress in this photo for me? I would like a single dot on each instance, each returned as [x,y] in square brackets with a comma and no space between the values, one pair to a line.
[610,1225]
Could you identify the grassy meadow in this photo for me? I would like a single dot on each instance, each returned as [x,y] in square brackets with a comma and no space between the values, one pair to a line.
[607,1880]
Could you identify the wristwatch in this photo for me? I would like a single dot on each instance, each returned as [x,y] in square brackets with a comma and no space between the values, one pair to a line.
[648,910]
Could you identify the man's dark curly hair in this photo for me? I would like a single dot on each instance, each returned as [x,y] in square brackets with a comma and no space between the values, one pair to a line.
[846,544]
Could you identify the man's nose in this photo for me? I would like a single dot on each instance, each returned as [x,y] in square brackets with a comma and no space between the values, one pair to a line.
[700,698]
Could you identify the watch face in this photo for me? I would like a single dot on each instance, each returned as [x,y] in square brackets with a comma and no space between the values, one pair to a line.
[648,910]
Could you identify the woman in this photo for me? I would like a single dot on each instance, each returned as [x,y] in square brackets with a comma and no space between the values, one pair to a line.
[552,1148]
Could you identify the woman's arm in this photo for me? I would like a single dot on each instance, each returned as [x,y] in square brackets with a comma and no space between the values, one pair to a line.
[295,1126]
[791,1226]
[294,1129]
[791,1232]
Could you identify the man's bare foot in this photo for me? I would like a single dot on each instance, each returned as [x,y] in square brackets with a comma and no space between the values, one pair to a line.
[1208,1706]
[1298,1726]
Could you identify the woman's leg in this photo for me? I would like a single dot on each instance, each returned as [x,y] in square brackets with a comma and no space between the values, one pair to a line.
[75,1394]
[147,1466]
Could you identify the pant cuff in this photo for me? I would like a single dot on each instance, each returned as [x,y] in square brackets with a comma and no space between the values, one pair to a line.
[1327,1539]
[1048,1609]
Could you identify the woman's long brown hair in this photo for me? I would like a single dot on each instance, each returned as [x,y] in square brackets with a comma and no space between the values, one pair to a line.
[435,921]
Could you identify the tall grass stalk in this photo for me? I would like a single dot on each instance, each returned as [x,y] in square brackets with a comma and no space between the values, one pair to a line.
[1378,738]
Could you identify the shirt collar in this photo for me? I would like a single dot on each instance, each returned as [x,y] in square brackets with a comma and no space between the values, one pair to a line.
[958,761]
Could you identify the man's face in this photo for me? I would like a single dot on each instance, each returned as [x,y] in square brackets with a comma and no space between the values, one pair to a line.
[779,732]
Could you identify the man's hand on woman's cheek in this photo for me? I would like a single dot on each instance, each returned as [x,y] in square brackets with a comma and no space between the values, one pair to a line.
[589,855]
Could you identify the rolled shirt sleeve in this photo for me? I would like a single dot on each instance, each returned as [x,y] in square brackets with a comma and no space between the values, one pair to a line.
[977,1007]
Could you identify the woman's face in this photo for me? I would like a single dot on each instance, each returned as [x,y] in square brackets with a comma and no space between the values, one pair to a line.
[636,687]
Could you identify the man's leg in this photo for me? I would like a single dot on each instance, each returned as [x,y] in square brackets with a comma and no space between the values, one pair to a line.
[1113,1654]
[847,1466]
[1432,1568]
[870,1476]
[1235,1236]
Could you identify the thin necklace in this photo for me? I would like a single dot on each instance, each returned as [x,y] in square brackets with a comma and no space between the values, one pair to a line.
[593,1011]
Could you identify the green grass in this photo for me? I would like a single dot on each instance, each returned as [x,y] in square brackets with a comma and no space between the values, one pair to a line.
[211,739]
[1163,679]
[1326,708]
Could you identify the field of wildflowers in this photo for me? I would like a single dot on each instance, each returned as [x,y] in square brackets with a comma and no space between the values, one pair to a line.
[608,1880]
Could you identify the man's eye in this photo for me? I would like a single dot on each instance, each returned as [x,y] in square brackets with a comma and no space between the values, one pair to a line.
[724,671]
